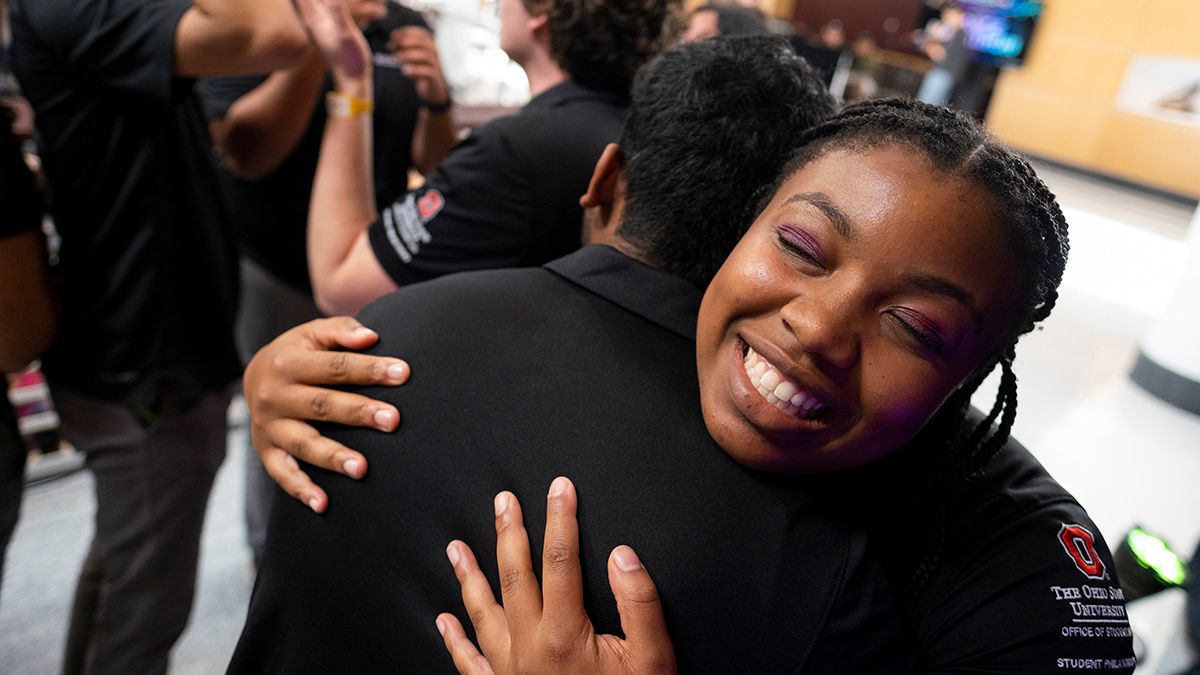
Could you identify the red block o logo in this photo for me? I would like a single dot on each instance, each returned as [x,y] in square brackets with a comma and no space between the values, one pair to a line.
[1079,544]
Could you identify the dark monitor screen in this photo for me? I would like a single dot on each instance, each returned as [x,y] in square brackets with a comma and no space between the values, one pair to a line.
[997,32]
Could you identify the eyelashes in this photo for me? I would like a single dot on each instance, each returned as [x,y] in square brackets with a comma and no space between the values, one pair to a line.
[800,244]
[918,330]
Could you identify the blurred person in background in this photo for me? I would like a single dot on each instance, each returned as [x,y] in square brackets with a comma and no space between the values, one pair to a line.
[945,44]
[27,311]
[507,195]
[714,20]
[267,130]
[144,356]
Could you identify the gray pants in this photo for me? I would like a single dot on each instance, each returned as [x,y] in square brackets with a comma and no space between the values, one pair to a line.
[268,308]
[135,591]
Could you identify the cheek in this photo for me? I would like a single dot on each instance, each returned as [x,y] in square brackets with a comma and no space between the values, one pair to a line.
[898,397]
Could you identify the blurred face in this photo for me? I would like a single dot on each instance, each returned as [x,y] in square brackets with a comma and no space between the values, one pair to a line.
[516,38]
[701,26]
[866,292]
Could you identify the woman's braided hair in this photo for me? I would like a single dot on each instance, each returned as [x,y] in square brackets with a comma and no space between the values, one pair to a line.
[951,450]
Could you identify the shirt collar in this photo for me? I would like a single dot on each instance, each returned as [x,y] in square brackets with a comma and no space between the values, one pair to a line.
[656,296]
[570,90]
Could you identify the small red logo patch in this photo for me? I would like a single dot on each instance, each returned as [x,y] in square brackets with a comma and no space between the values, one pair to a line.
[1080,545]
[430,204]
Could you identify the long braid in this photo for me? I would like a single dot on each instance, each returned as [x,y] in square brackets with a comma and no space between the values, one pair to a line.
[950,451]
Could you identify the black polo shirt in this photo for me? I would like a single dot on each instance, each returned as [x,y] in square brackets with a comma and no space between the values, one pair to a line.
[148,263]
[583,368]
[270,214]
[1026,583]
[507,195]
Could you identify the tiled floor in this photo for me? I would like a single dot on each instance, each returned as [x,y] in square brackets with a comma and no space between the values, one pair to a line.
[1126,456]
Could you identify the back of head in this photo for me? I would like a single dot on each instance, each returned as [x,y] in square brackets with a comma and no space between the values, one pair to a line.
[710,126]
[603,43]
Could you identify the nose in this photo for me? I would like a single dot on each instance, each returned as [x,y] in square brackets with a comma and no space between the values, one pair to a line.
[824,328]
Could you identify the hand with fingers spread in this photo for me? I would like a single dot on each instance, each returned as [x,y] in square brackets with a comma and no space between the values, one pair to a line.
[414,47]
[545,629]
[284,385]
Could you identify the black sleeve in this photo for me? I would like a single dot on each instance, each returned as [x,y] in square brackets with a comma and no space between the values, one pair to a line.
[1035,593]
[474,213]
[217,94]
[22,210]
[127,45]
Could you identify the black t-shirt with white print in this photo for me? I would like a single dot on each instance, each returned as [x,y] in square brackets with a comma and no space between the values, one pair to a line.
[1026,583]
[508,194]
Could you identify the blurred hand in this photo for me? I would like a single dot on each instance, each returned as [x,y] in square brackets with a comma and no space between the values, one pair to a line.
[282,390]
[337,37]
[545,629]
[413,46]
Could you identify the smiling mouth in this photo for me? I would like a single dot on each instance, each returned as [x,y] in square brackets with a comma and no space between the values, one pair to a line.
[779,391]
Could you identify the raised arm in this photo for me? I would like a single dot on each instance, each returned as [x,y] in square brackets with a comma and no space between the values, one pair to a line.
[263,127]
[236,37]
[345,273]
[287,383]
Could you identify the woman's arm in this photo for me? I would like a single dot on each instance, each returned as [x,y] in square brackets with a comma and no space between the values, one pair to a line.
[287,383]
[345,273]
[546,629]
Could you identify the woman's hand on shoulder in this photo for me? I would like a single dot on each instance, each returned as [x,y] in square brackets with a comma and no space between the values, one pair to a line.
[286,384]
[545,629]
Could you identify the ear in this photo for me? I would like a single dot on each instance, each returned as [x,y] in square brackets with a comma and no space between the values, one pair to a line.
[605,178]
[538,23]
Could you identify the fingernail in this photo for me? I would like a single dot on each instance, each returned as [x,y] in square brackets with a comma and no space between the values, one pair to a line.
[350,467]
[441,626]
[558,487]
[385,419]
[397,371]
[501,503]
[314,503]
[626,559]
[452,554]
[363,331]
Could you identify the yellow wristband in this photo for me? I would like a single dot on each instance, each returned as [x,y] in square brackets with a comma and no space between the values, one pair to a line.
[345,106]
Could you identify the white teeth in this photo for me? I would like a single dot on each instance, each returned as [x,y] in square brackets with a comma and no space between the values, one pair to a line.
[770,379]
[778,390]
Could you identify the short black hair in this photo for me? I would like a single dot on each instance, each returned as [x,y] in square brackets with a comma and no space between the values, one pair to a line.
[735,19]
[710,126]
[603,43]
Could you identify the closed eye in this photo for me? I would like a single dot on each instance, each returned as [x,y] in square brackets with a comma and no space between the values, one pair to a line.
[800,245]
[923,336]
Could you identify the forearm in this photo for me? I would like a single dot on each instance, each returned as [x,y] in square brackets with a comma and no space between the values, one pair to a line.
[28,314]
[433,137]
[230,37]
[261,129]
[343,200]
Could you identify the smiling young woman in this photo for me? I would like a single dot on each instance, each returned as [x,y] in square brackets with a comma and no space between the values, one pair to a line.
[851,310]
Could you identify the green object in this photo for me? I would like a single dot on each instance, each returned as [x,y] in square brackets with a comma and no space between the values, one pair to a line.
[1153,553]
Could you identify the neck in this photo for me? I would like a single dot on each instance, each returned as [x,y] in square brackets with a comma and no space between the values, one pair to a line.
[632,251]
[543,73]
